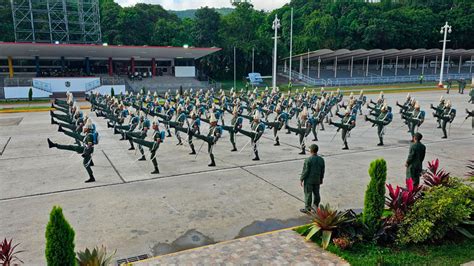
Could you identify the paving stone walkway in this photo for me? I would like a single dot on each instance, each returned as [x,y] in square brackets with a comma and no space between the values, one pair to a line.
[283,247]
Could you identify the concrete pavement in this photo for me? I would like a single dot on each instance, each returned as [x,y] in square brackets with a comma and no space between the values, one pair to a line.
[130,210]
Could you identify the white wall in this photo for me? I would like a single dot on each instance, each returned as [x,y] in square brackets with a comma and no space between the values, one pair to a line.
[106,89]
[60,84]
[185,71]
[22,93]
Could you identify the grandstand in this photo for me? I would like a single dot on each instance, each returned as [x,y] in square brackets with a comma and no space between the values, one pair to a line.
[358,67]
[52,69]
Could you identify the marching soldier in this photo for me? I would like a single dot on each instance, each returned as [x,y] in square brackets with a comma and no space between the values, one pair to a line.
[234,127]
[303,129]
[143,127]
[347,124]
[439,110]
[86,149]
[193,128]
[257,128]
[415,118]
[153,146]
[447,116]
[383,119]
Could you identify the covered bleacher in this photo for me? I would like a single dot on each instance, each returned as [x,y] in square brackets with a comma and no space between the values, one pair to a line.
[327,67]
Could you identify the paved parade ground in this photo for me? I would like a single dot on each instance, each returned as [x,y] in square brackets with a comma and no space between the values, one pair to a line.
[189,203]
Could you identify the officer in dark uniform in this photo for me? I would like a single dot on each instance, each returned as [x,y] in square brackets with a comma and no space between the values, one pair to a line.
[414,163]
[312,178]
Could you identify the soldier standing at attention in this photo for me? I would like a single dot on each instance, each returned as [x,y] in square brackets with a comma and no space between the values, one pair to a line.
[414,163]
[312,178]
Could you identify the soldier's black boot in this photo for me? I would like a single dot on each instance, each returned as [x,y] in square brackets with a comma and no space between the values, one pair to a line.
[193,151]
[213,163]
[156,171]
[303,152]
[142,158]
[91,175]
[60,129]
[109,125]
[346,147]
[256,157]
[277,142]
[51,144]
[131,147]
[91,163]
[52,120]
[116,132]
[169,134]
[233,147]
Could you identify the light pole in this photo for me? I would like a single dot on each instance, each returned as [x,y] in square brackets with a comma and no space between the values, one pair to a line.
[444,30]
[276,25]
[235,72]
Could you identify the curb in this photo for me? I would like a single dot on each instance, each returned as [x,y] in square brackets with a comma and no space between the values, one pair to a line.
[19,110]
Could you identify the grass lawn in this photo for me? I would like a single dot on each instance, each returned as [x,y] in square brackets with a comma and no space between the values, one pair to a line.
[448,253]
[21,101]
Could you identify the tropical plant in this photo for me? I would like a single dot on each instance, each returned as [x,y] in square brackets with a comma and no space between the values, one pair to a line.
[59,240]
[97,257]
[8,254]
[326,220]
[442,209]
[401,199]
[434,177]
[375,194]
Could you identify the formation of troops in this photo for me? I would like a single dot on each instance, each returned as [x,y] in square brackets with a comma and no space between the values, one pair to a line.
[146,119]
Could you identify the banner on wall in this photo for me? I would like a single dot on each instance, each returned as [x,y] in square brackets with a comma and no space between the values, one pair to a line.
[66,84]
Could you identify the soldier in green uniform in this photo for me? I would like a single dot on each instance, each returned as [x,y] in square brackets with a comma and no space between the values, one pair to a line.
[470,114]
[143,126]
[471,94]
[158,138]
[449,84]
[257,128]
[415,118]
[438,110]
[312,178]
[462,86]
[234,127]
[382,120]
[86,149]
[447,116]
[347,124]
[414,163]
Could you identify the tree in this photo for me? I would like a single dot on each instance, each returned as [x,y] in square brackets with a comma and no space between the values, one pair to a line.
[206,27]
[374,201]
[30,94]
[6,22]
[59,240]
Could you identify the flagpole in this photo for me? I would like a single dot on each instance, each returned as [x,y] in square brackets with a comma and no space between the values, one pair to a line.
[291,46]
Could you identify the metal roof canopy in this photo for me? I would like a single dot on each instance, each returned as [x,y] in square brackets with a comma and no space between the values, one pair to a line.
[94,52]
[375,54]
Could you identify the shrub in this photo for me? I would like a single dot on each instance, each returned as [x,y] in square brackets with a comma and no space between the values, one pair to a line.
[8,255]
[326,220]
[374,201]
[441,210]
[98,257]
[433,177]
[59,240]
[30,94]
[112,92]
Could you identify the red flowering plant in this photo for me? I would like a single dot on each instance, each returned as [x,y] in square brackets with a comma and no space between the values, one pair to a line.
[400,199]
[434,177]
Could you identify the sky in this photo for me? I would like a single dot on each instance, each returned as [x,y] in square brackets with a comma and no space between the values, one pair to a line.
[193,4]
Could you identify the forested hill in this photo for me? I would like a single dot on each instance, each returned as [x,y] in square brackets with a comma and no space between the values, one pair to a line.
[189,13]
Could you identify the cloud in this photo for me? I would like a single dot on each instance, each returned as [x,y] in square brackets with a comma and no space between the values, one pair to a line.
[193,4]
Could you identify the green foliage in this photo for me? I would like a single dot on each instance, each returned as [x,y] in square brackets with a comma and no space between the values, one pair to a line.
[374,201]
[325,221]
[59,240]
[30,94]
[442,209]
[97,257]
